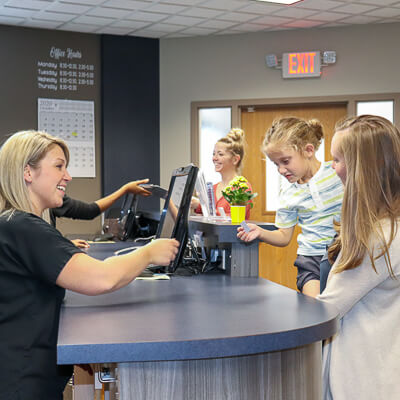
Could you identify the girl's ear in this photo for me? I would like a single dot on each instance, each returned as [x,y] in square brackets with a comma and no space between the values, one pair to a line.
[28,174]
[309,150]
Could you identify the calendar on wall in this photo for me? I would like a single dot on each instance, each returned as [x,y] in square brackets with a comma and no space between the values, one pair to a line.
[72,121]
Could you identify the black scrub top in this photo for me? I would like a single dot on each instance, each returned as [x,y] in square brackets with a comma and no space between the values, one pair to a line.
[32,254]
[75,209]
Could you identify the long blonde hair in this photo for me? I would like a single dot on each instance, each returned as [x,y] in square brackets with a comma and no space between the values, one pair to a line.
[294,133]
[22,149]
[236,144]
[370,146]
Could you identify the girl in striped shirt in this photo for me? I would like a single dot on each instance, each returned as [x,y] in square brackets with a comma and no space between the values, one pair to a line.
[312,198]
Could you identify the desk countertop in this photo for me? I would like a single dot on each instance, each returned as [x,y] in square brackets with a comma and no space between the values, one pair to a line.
[205,316]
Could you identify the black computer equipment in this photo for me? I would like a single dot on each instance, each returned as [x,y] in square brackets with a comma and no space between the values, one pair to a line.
[127,225]
[175,214]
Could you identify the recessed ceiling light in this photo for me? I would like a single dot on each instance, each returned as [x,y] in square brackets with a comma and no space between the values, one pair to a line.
[281,1]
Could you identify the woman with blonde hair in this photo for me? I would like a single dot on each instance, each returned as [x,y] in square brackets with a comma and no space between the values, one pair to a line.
[37,264]
[362,360]
[228,156]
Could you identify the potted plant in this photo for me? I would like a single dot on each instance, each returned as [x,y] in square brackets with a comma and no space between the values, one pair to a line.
[238,194]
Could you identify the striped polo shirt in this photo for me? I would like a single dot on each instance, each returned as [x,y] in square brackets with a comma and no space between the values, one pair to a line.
[313,205]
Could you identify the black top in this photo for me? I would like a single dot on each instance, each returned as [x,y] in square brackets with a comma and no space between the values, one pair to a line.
[75,209]
[32,254]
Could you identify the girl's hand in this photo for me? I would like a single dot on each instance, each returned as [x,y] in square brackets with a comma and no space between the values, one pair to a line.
[162,251]
[254,233]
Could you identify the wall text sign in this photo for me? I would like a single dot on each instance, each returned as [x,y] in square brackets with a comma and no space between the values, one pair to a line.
[301,65]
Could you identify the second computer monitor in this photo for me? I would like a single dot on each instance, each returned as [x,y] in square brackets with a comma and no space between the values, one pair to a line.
[174,216]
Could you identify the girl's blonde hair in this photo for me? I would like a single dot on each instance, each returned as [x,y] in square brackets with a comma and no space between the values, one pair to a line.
[294,133]
[236,144]
[370,146]
[22,149]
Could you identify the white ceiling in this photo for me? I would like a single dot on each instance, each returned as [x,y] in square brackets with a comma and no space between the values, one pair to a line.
[184,18]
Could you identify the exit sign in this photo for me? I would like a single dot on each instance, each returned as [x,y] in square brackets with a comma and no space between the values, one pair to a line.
[301,65]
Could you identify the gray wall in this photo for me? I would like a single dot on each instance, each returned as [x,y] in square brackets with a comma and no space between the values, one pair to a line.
[21,49]
[233,67]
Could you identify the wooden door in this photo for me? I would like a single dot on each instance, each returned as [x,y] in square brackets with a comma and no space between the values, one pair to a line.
[276,264]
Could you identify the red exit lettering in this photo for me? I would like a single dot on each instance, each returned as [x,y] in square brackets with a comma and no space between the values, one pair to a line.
[301,63]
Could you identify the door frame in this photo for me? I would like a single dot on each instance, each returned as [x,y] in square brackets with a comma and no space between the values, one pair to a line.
[237,105]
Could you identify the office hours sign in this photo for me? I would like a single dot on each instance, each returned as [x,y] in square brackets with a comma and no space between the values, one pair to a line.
[63,76]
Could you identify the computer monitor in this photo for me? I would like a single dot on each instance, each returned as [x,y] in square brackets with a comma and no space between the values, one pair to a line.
[174,216]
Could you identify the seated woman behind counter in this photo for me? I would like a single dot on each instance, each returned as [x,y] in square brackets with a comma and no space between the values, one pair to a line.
[77,209]
[227,157]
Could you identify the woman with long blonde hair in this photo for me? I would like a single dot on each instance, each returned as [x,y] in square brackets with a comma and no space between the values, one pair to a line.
[362,360]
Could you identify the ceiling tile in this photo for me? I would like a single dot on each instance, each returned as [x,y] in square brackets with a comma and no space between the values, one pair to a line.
[126,4]
[328,17]
[129,24]
[108,12]
[79,27]
[250,27]
[183,2]
[202,12]
[318,4]
[272,20]
[68,8]
[84,19]
[355,8]
[379,3]
[41,24]
[236,16]
[303,23]
[9,20]
[146,16]
[51,16]
[217,24]
[165,8]
[30,4]
[183,20]
[16,12]
[86,2]
[161,27]
[112,30]
[294,13]
[224,4]
[359,19]
[148,34]
[384,12]
[197,31]
[260,8]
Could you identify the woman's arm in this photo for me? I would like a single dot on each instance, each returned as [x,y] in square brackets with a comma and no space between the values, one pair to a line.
[132,187]
[86,275]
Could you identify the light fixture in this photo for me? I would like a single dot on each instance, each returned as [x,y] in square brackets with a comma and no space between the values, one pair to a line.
[329,57]
[271,60]
[288,2]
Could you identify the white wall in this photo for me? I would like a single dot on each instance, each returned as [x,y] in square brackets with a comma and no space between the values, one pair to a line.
[233,67]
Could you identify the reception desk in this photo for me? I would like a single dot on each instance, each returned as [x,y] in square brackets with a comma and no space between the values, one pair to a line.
[201,337]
